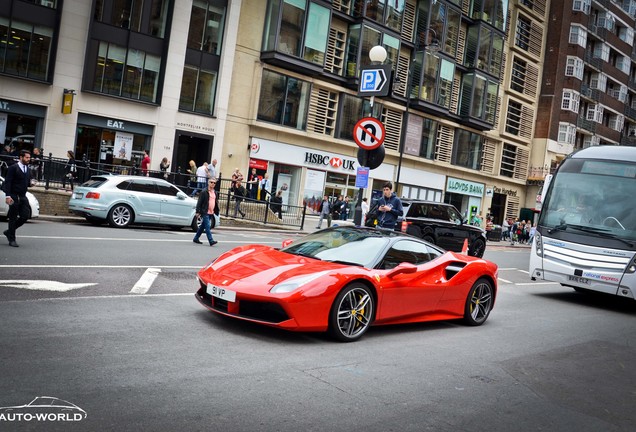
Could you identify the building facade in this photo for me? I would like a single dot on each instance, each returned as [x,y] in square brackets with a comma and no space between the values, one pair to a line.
[588,94]
[272,85]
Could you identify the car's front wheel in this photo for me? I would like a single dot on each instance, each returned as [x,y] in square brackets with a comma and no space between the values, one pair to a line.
[478,248]
[479,302]
[351,313]
[120,216]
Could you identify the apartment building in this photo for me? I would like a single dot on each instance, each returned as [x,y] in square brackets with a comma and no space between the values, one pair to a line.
[588,94]
[272,85]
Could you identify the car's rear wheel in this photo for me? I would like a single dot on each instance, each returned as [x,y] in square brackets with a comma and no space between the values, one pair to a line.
[478,248]
[351,313]
[479,302]
[120,216]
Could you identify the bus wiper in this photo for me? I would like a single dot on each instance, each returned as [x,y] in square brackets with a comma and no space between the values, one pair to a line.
[561,227]
[603,233]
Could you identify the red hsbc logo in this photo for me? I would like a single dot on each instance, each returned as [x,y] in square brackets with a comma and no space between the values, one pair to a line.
[336,162]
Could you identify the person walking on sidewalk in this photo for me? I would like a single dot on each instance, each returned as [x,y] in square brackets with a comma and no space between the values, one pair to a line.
[207,207]
[239,196]
[325,211]
[390,207]
[15,187]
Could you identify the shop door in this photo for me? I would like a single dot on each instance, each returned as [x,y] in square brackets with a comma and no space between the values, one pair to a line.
[333,192]
[190,147]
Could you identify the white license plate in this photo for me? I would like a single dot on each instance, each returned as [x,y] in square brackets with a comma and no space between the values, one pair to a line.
[579,280]
[78,195]
[222,293]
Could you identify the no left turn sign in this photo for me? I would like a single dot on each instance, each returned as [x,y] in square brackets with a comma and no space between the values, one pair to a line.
[369,133]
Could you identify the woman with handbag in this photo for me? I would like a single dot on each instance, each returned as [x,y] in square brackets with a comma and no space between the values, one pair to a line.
[70,170]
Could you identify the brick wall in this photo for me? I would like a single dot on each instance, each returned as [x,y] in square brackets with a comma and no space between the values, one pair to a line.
[52,202]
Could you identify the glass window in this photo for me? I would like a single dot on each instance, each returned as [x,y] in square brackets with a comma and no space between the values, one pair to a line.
[126,14]
[574,67]
[283,100]
[518,76]
[206,27]
[522,37]
[508,158]
[361,44]
[446,75]
[132,74]
[25,49]
[467,149]
[316,38]
[429,138]
[513,119]
[166,189]
[291,27]
[429,80]
[142,186]
[198,90]
[394,14]
[352,109]
[494,12]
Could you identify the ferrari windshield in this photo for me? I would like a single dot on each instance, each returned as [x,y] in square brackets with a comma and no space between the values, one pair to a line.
[593,197]
[345,245]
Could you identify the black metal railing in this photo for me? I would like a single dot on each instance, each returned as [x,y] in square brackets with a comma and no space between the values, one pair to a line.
[51,173]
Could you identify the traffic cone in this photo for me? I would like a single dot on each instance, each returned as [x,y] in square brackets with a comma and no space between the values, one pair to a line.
[465,247]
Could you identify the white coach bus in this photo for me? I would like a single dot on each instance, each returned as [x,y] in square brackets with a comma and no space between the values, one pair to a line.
[586,232]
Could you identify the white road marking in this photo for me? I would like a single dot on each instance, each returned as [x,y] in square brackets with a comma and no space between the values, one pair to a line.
[141,239]
[505,281]
[523,271]
[43,285]
[537,283]
[145,281]
[114,296]
[31,266]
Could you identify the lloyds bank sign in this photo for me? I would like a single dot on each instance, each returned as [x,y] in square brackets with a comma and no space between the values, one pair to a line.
[464,187]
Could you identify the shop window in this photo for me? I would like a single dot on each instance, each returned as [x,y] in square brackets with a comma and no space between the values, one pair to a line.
[467,149]
[198,90]
[132,74]
[206,27]
[283,100]
[25,49]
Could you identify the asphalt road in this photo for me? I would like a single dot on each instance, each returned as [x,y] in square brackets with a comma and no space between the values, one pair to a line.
[547,359]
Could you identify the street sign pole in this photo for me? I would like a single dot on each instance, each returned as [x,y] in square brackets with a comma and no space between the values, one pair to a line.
[357,215]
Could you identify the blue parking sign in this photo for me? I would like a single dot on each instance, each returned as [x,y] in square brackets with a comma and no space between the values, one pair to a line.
[362,177]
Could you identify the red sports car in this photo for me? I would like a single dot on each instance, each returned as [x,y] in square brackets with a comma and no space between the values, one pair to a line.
[345,279]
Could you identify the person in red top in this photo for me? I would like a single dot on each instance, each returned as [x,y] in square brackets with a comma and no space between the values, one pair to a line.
[145,163]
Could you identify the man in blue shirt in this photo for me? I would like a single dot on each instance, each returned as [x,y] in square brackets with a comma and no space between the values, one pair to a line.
[389,208]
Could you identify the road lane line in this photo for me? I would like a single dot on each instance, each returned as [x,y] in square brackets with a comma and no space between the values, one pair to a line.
[241,242]
[145,281]
[32,266]
[504,280]
[113,296]
[523,271]
[537,283]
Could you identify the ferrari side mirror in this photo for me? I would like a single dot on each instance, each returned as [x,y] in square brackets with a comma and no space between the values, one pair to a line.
[404,268]
[287,242]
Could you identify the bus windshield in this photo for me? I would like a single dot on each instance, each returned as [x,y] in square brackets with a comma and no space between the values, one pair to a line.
[594,197]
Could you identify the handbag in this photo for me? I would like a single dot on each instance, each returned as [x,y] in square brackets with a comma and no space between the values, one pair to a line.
[217,220]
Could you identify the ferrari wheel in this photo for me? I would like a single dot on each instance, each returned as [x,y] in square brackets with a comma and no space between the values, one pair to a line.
[120,216]
[479,302]
[352,313]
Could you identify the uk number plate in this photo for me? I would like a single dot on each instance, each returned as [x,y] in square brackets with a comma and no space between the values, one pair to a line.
[579,280]
[78,195]
[222,293]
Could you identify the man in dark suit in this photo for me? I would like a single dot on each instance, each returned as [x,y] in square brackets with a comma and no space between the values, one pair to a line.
[15,187]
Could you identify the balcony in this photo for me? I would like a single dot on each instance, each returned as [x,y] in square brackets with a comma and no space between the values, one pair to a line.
[537,175]
[588,125]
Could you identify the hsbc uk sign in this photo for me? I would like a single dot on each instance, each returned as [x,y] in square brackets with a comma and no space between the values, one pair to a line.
[333,163]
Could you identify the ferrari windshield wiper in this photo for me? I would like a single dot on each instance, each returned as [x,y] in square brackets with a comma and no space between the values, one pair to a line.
[345,262]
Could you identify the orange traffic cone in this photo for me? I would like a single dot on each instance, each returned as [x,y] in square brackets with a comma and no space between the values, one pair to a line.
[465,247]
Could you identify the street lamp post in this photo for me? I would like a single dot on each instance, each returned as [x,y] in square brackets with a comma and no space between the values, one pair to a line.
[377,55]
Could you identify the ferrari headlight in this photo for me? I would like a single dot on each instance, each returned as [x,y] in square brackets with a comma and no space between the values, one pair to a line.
[295,283]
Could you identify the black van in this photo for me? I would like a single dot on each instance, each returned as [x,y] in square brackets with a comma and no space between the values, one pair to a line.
[442,225]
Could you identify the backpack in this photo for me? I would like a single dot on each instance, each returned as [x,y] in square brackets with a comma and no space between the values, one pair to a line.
[372,215]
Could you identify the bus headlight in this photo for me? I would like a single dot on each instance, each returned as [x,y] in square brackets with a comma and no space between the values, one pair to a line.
[538,244]
[631,267]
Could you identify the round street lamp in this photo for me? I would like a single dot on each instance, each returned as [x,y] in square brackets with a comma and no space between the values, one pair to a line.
[377,54]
